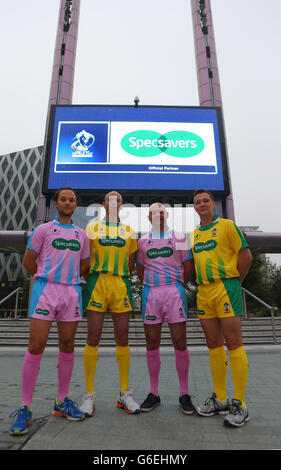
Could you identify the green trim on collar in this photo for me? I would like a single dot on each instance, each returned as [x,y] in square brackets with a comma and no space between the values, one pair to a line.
[216,218]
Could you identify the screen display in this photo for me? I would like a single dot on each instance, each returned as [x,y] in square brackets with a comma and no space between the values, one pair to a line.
[135,148]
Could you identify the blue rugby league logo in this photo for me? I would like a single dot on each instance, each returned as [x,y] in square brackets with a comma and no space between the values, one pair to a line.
[82,142]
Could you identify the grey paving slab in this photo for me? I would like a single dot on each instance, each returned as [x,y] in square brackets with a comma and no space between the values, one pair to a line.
[164,428]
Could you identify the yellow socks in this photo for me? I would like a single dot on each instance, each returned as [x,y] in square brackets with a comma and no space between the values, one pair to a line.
[123,361]
[90,358]
[218,366]
[239,372]
[90,362]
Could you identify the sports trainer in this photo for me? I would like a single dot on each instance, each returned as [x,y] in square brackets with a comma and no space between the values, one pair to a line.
[222,260]
[57,254]
[113,247]
[164,264]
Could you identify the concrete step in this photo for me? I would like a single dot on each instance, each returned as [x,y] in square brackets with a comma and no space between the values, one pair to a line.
[255,331]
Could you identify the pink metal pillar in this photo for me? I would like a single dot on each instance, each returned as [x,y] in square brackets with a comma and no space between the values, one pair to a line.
[207,69]
[64,56]
[61,89]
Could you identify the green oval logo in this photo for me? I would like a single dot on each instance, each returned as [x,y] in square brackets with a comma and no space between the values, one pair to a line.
[150,317]
[164,252]
[96,304]
[146,143]
[62,244]
[141,143]
[183,144]
[108,241]
[207,246]
[42,311]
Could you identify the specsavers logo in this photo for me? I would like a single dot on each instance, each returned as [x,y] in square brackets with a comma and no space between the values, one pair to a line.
[207,246]
[147,143]
[62,244]
[164,252]
[108,241]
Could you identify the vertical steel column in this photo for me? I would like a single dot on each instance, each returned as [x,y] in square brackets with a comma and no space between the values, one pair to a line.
[207,69]
[61,89]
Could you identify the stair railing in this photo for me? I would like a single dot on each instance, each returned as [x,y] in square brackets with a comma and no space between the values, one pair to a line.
[264,304]
[16,292]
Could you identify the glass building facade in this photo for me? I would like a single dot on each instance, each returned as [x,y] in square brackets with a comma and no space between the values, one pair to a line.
[19,186]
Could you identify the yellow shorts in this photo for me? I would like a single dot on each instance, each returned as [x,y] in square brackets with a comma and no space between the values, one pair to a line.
[105,292]
[221,299]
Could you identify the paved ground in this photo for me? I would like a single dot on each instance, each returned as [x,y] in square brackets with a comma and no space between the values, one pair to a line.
[166,428]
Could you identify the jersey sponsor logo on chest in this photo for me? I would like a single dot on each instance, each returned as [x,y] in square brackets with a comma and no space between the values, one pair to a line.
[205,246]
[63,244]
[164,252]
[116,241]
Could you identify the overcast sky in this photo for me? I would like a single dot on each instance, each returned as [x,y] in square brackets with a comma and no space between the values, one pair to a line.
[128,48]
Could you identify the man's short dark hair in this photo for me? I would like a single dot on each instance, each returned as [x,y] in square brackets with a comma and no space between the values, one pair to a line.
[57,193]
[202,190]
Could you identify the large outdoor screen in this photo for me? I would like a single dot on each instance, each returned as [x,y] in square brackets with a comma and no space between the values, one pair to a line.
[135,148]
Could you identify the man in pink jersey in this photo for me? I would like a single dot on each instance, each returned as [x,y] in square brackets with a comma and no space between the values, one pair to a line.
[164,264]
[57,254]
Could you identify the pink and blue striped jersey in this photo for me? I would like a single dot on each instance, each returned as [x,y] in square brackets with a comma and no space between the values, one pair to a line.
[162,256]
[60,247]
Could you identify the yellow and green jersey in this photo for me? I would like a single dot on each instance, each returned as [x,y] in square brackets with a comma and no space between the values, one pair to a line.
[215,249]
[111,245]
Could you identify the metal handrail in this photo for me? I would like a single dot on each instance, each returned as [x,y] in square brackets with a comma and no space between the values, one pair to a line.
[17,291]
[272,309]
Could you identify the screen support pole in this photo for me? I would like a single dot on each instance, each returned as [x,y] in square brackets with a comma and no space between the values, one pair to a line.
[61,89]
[207,73]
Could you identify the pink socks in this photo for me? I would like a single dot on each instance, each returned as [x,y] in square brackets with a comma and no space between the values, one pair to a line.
[182,366]
[153,365]
[65,368]
[30,370]
[31,366]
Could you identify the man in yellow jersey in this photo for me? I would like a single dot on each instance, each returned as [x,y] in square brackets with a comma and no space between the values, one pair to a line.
[113,247]
[222,260]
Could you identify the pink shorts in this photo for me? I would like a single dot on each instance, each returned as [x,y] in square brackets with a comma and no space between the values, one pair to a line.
[51,300]
[164,303]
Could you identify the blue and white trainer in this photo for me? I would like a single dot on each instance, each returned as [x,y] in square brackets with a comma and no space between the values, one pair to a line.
[23,419]
[69,409]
